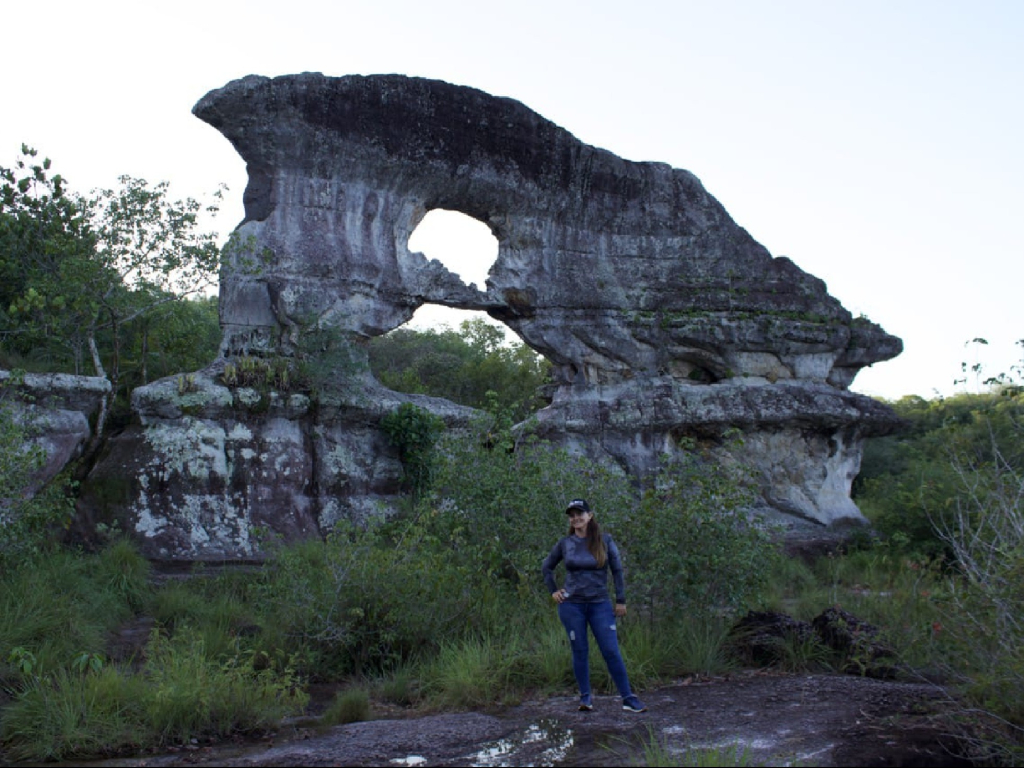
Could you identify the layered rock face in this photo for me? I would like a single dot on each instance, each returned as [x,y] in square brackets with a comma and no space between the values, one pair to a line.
[664,318]
[56,410]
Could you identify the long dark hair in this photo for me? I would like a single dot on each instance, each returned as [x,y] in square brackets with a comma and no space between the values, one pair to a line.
[595,541]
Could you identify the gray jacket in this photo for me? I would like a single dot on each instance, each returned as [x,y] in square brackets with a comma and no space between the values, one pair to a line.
[584,581]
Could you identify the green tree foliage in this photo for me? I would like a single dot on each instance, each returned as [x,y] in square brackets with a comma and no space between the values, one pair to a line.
[911,481]
[93,277]
[473,366]
[700,550]
[414,432]
[502,511]
[983,610]
[688,544]
[951,486]
[181,335]
[45,246]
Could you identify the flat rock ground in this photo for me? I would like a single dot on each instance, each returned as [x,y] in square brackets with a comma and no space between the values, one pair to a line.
[749,718]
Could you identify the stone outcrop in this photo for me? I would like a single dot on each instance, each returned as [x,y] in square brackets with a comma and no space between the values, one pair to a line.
[212,472]
[57,410]
[664,319]
[762,638]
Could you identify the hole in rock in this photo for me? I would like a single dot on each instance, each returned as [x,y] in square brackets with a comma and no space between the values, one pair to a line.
[466,247]
[461,355]
[460,242]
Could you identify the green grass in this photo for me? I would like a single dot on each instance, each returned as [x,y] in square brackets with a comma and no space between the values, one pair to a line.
[180,694]
[62,605]
[67,715]
[349,706]
[657,753]
[466,674]
[222,660]
[400,687]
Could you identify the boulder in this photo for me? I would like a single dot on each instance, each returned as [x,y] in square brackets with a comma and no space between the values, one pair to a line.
[58,411]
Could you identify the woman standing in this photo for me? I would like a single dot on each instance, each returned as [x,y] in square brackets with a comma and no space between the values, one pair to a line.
[589,555]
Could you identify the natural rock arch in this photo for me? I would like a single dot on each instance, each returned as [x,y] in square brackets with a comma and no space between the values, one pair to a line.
[663,317]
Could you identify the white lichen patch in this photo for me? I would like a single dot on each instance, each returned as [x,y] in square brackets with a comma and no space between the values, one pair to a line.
[194,447]
[146,523]
[240,432]
[216,520]
[247,396]
[338,462]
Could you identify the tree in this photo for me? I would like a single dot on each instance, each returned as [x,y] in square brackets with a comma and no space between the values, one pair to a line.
[44,230]
[181,335]
[907,480]
[150,252]
[82,269]
[473,366]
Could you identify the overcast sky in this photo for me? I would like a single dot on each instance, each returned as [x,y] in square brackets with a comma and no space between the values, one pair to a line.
[876,144]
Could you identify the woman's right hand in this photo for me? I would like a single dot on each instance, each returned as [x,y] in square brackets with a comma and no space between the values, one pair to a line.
[559,596]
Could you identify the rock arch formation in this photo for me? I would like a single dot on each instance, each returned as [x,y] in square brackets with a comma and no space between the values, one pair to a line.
[663,317]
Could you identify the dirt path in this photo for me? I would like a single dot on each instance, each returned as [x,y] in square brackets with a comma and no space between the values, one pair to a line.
[816,720]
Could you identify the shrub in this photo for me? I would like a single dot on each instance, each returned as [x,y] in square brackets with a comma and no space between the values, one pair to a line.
[697,550]
[414,431]
[985,530]
[361,601]
[349,706]
[502,511]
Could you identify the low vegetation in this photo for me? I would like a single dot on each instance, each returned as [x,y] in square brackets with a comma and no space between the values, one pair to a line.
[426,610]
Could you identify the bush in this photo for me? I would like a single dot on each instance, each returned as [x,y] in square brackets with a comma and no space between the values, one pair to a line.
[984,528]
[500,512]
[695,548]
[362,601]
[349,706]
[414,432]
[910,480]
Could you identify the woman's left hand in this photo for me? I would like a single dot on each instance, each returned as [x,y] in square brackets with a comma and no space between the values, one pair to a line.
[620,609]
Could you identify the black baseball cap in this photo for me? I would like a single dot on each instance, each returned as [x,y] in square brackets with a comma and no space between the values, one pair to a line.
[578,504]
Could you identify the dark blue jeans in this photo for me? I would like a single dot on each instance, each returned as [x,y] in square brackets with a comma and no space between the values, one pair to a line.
[601,619]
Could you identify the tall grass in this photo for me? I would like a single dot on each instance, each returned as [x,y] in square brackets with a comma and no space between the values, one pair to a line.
[57,613]
[225,659]
[57,607]
[348,706]
[180,694]
[66,715]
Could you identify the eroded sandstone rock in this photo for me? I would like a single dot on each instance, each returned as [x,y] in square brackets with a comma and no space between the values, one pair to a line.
[57,411]
[663,317]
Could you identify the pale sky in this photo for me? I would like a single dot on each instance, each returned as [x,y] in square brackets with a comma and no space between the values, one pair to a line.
[876,144]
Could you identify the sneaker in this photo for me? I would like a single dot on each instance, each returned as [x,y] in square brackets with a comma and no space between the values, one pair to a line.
[585,703]
[633,704]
